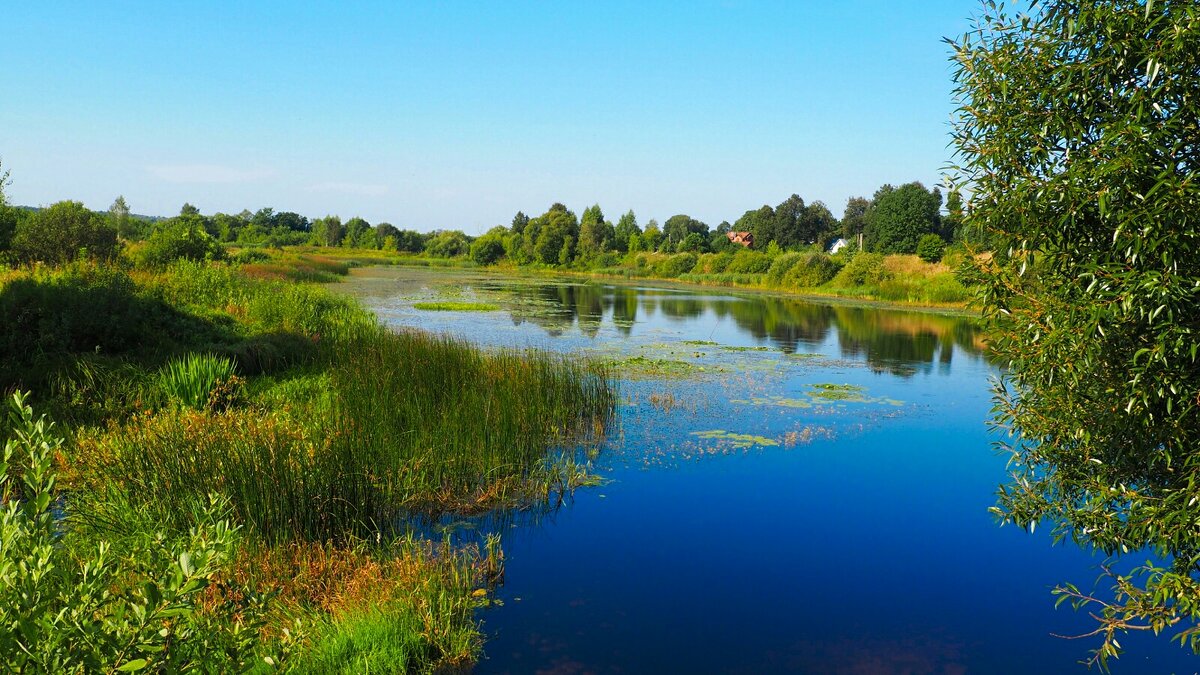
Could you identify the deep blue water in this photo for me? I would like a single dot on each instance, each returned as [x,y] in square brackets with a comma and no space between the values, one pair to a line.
[845,536]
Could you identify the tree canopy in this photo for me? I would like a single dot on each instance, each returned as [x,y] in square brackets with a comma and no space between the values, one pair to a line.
[1079,139]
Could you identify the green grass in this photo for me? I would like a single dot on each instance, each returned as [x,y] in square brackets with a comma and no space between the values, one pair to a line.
[445,306]
[342,430]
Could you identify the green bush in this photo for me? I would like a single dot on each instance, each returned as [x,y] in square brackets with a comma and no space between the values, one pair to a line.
[65,232]
[180,239]
[676,265]
[487,249]
[749,262]
[781,266]
[864,269]
[713,263]
[813,270]
[930,248]
[74,606]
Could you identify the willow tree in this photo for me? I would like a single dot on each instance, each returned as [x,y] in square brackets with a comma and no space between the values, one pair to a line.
[1078,137]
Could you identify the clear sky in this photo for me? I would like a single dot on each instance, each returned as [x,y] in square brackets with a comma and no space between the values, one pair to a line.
[457,114]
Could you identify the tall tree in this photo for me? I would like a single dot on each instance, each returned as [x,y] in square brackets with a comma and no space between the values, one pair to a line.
[595,235]
[1078,137]
[626,229]
[900,216]
[760,223]
[328,231]
[854,217]
[789,229]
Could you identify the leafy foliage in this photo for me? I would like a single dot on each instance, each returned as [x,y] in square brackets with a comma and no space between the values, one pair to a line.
[108,610]
[1079,136]
[197,381]
[65,232]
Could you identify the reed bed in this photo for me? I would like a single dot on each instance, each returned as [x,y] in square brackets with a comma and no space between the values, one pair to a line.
[414,424]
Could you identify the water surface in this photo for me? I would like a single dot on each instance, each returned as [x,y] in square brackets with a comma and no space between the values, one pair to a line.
[794,487]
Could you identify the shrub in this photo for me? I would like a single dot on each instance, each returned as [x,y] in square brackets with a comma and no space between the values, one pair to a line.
[780,267]
[97,608]
[864,269]
[180,239]
[749,262]
[487,249]
[676,265]
[64,232]
[713,263]
[813,270]
[930,248]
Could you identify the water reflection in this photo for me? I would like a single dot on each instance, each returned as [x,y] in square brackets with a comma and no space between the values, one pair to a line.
[898,342]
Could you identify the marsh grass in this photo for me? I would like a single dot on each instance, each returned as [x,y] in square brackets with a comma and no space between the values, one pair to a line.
[412,424]
[196,380]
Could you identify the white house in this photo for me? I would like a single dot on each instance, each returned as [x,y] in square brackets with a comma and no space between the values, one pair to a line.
[838,245]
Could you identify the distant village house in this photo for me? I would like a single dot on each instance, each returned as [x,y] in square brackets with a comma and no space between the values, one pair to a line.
[744,238]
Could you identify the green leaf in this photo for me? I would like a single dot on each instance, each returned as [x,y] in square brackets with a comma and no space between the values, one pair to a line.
[136,664]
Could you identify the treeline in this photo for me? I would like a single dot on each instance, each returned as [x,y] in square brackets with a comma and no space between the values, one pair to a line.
[904,219]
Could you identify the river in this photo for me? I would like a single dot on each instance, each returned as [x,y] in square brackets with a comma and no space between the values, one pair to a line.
[794,486]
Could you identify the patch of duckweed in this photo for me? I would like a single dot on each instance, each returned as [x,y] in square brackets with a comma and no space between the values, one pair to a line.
[780,401]
[730,348]
[735,440]
[702,343]
[444,306]
[839,392]
[644,366]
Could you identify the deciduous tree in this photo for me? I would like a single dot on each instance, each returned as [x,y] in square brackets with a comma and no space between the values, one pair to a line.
[1079,137]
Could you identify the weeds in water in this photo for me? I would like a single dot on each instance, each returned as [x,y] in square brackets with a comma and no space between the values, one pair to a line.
[446,306]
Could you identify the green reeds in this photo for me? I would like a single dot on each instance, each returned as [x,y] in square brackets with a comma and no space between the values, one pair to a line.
[193,380]
[414,423]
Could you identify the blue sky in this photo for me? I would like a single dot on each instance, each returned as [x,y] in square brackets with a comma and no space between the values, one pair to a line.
[458,114]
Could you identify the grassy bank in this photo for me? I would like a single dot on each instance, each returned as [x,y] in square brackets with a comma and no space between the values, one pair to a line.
[892,279]
[230,412]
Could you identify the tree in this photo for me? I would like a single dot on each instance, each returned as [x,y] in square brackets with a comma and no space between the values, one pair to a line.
[328,231]
[854,218]
[952,222]
[356,229]
[899,216]
[820,227]
[678,227]
[651,236]
[760,223]
[182,237]
[64,232]
[189,210]
[488,249]
[448,244]
[1077,136]
[519,222]
[546,236]
[625,230]
[595,235]
[789,229]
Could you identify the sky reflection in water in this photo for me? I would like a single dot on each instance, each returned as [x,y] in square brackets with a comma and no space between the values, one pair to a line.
[807,493]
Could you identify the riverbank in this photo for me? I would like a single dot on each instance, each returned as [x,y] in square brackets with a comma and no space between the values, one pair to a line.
[266,442]
[903,281]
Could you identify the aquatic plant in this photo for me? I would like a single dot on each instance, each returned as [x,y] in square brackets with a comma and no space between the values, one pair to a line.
[456,306]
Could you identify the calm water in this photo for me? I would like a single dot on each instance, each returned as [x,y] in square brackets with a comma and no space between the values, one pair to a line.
[806,491]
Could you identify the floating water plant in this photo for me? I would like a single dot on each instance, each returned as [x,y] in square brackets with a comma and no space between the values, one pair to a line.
[445,306]
[735,440]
